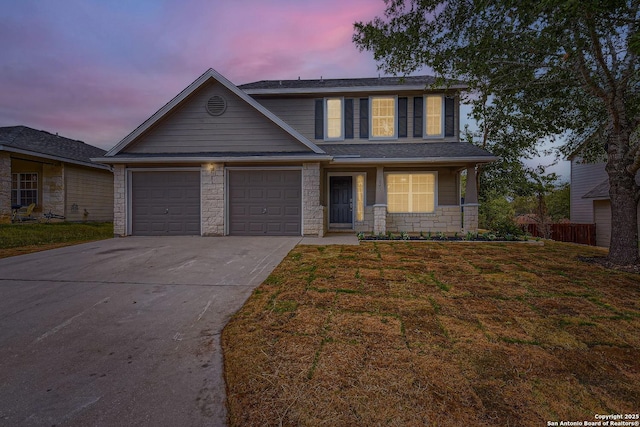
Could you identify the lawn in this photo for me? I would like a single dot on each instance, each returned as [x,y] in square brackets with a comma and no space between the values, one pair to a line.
[19,239]
[435,334]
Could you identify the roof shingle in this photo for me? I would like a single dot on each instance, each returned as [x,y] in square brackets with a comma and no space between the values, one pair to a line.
[409,81]
[444,150]
[41,142]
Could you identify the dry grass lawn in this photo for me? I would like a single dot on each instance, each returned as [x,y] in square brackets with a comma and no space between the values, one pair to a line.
[435,334]
[21,239]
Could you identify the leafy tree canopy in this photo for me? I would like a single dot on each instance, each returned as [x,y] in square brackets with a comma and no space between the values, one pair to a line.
[552,70]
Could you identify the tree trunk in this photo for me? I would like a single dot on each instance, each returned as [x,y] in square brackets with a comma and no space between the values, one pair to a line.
[623,190]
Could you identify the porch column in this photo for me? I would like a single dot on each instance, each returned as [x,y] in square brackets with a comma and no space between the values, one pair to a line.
[53,191]
[470,217]
[119,201]
[5,187]
[212,193]
[380,206]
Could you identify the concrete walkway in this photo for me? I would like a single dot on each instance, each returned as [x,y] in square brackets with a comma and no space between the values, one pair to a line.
[332,239]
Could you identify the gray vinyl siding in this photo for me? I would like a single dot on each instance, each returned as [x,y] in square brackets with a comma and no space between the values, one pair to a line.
[584,177]
[299,113]
[89,190]
[191,129]
[602,219]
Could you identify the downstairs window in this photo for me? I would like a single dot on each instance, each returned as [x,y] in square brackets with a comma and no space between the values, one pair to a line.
[411,192]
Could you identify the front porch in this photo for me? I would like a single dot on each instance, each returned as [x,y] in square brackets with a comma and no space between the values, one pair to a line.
[422,200]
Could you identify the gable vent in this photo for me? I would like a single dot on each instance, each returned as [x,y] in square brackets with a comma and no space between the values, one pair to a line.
[216,105]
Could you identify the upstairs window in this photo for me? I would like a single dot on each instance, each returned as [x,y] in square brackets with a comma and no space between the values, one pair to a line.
[383,117]
[334,120]
[434,118]
[24,188]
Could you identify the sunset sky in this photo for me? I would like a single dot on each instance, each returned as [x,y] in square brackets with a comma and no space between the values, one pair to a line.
[95,69]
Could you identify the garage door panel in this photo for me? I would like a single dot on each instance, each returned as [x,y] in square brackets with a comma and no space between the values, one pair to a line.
[265,202]
[165,203]
[292,211]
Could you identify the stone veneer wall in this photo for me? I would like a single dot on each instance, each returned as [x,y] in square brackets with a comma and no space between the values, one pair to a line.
[365,226]
[119,201]
[5,188]
[312,211]
[212,199]
[446,219]
[471,218]
[53,189]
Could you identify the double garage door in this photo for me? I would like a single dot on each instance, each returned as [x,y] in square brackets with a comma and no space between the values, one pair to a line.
[260,202]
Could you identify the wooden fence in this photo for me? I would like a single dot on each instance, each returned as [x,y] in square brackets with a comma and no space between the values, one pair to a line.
[575,233]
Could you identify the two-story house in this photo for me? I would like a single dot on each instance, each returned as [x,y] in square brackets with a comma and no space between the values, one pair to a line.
[298,157]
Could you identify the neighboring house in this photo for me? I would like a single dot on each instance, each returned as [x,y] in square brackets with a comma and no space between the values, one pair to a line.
[590,202]
[55,173]
[297,157]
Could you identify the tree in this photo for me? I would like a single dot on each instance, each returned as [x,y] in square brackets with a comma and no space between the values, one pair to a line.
[559,202]
[553,69]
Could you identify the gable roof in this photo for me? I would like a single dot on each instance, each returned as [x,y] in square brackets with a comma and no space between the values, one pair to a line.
[371,84]
[25,140]
[193,87]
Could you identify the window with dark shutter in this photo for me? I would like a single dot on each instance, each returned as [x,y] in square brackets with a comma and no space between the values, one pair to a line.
[319,119]
[364,117]
[402,117]
[418,128]
[449,117]
[348,118]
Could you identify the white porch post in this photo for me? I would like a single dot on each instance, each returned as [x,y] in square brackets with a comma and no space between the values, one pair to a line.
[470,217]
[380,206]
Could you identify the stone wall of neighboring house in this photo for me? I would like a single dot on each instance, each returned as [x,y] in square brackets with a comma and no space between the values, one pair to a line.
[5,188]
[212,193]
[89,194]
[53,188]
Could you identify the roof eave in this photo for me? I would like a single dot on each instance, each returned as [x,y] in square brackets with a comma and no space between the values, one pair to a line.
[52,157]
[415,160]
[211,159]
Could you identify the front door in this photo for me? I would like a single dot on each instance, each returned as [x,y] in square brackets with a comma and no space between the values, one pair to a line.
[341,202]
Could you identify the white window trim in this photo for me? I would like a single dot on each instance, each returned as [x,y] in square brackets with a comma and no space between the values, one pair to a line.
[435,190]
[20,189]
[442,114]
[326,119]
[395,119]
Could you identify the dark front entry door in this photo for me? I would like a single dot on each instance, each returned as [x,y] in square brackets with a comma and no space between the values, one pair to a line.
[341,201]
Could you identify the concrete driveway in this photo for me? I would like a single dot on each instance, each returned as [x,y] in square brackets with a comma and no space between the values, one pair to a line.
[124,331]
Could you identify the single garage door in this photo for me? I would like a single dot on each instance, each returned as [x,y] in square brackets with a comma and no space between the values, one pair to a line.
[165,203]
[265,202]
